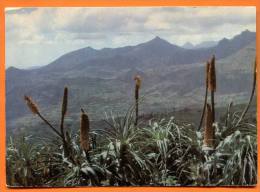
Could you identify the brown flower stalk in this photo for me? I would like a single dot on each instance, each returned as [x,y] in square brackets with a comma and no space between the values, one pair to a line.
[84,132]
[31,105]
[212,84]
[206,94]
[207,74]
[63,113]
[212,75]
[65,101]
[209,129]
[137,88]
[64,110]
[35,110]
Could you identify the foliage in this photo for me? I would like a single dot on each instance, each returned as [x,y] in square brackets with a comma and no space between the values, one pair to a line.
[156,153]
[161,152]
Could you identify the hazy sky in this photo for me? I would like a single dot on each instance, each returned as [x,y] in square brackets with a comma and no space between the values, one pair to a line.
[37,36]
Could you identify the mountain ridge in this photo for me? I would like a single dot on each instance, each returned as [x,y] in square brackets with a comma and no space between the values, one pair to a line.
[91,53]
[170,77]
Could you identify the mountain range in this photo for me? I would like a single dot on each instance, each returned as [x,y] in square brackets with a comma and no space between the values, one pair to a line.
[102,80]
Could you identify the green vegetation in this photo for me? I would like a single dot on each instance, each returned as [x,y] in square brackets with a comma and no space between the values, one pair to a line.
[139,151]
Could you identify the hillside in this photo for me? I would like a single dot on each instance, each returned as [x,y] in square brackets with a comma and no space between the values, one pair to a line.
[102,80]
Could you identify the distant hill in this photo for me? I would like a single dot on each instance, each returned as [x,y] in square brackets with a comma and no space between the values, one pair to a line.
[144,55]
[102,80]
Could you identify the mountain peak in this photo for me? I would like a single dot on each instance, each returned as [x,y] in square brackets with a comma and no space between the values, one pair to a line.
[157,38]
[89,48]
[245,34]
[11,68]
[14,71]
[224,40]
[188,45]
[246,31]
[158,41]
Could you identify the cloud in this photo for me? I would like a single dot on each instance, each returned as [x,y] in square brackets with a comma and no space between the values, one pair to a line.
[67,28]
[84,21]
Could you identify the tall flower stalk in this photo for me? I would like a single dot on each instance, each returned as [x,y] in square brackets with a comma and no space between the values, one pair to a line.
[206,94]
[63,113]
[212,84]
[35,110]
[84,132]
[209,128]
[137,88]
[64,110]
